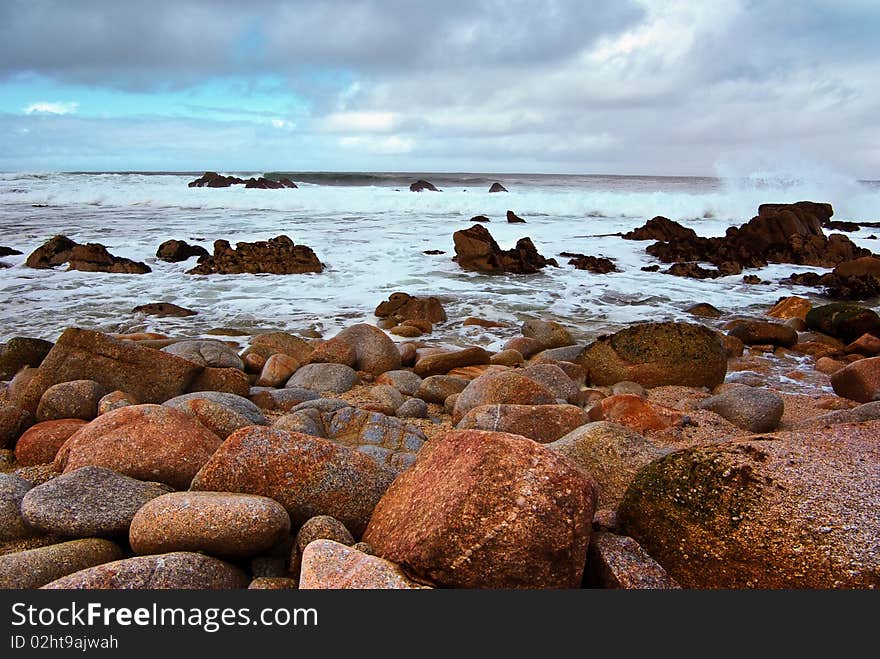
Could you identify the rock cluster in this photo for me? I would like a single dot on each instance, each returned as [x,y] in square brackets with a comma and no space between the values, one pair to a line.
[475,249]
[278,256]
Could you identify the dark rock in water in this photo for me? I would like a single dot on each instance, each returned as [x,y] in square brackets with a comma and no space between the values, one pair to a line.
[287,183]
[277,256]
[263,184]
[758,332]
[480,218]
[433,252]
[475,249]
[214,180]
[598,264]
[421,185]
[53,252]
[704,310]
[8,251]
[21,351]
[841,226]
[844,320]
[753,279]
[780,233]
[660,228]
[497,187]
[163,309]
[175,251]
[402,306]
[94,257]
[650,268]
[513,218]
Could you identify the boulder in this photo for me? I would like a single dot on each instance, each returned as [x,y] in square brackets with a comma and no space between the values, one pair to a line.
[661,228]
[21,351]
[334,378]
[77,399]
[334,351]
[307,475]
[750,408]
[34,568]
[790,510]
[704,310]
[165,309]
[554,378]
[844,320]
[238,404]
[54,252]
[219,416]
[441,364]
[406,382]
[637,413]
[437,388]
[90,501]
[757,332]
[12,491]
[277,256]
[40,443]
[174,251]
[387,440]
[506,387]
[541,423]
[859,381]
[611,453]
[151,376]
[657,354]
[619,562]
[281,399]
[232,526]
[93,257]
[497,187]
[413,408]
[277,370]
[422,185]
[322,527]
[475,249]
[597,264]
[374,350]
[147,442]
[513,218]
[175,571]
[215,354]
[273,342]
[487,510]
[791,307]
[548,333]
[329,565]
[13,421]
[402,306]
[225,380]
[214,180]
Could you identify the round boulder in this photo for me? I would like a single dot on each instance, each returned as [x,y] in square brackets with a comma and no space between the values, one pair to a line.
[77,399]
[205,352]
[39,444]
[506,387]
[750,408]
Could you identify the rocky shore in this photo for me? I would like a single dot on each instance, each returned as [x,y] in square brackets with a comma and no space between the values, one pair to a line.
[660,456]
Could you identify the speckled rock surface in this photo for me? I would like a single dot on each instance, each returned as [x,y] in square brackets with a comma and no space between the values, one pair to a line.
[12,491]
[330,565]
[40,443]
[77,399]
[750,408]
[506,387]
[542,423]
[618,561]
[36,567]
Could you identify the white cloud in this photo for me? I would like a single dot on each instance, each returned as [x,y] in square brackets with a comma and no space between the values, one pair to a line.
[43,107]
[282,124]
[356,122]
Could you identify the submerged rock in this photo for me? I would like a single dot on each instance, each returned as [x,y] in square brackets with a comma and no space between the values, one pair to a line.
[277,256]
[475,249]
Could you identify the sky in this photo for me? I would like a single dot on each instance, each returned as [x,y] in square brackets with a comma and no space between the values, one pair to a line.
[618,86]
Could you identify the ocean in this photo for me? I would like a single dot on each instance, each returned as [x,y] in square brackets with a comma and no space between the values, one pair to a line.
[371,233]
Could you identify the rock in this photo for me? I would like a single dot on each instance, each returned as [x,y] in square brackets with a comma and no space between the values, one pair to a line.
[216,415]
[507,387]
[231,526]
[437,388]
[860,413]
[334,351]
[330,565]
[12,524]
[618,561]
[634,412]
[263,183]
[282,399]
[176,571]
[548,333]
[274,342]
[91,501]
[149,375]
[513,218]
[860,267]
[387,440]
[54,252]
[661,228]
[633,388]
[374,350]
[791,307]
[475,249]
[206,353]
[497,187]
[507,358]
[307,422]
[307,475]
[657,354]
[40,443]
[791,510]
[859,381]
[387,398]
[472,372]
[21,351]
[407,353]
[238,404]
[335,378]
[406,331]
[597,264]
[611,453]
[93,257]
[36,567]
[277,256]
[323,405]
[77,399]
[8,251]
[402,306]
[175,251]
[477,218]
[704,310]
[406,382]
[222,380]
[749,408]
[844,320]
[147,442]
[756,332]
[523,345]
[481,322]
[277,370]
[443,363]
[414,408]
[556,355]
[487,510]
[554,378]
[866,344]
[214,180]
[541,423]
[422,185]
[13,421]
[322,527]
[163,309]
[273,583]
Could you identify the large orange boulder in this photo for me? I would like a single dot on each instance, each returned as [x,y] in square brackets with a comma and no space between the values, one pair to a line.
[496,388]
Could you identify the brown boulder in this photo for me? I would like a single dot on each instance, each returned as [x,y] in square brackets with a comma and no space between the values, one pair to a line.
[277,370]
[505,387]
[441,364]
[307,475]
[487,510]
[421,185]
[214,180]
[77,399]
[513,218]
[497,187]
[374,350]
[618,561]
[657,354]
[150,375]
[402,306]
[175,251]
[163,309]
[277,256]
[475,249]
[789,510]
[270,343]
[756,332]
[328,565]
[147,442]
[660,228]
[34,568]
[634,412]
[13,421]
[229,380]
[53,252]
[541,423]
[859,381]
[791,307]
[40,443]
[93,257]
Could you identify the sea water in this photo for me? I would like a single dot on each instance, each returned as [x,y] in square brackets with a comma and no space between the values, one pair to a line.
[371,232]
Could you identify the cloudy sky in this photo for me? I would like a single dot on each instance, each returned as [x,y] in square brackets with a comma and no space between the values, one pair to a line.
[616,86]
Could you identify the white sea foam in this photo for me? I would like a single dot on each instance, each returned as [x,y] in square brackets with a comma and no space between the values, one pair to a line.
[372,239]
